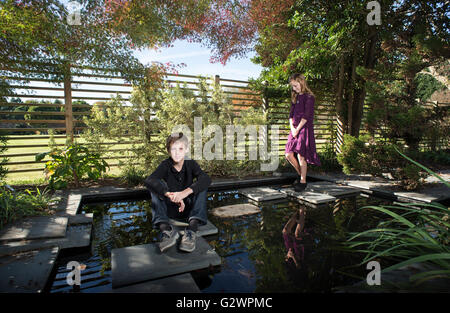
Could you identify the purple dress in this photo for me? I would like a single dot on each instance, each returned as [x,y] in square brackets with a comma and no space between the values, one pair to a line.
[305,143]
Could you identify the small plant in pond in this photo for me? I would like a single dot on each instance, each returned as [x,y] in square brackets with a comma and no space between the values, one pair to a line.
[71,165]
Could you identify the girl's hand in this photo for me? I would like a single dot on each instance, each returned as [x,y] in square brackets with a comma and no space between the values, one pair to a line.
[295,132]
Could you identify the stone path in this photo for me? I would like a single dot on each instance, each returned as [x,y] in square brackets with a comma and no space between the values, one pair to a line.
[377,186]
[235,210]
[140,263]
[30,247]
[183,283]
[262,193]
[27,271]
[308,196]
[332,189]
[77,235]
[36,227]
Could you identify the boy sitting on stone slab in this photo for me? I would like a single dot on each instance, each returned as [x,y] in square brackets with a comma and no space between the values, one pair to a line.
[175,195]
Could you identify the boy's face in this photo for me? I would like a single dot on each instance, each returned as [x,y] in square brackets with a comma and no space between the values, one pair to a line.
[177,151]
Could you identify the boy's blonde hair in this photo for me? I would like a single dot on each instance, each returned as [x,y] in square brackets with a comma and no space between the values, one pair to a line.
[175,137]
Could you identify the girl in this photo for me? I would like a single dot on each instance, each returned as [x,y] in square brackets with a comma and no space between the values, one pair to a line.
[301,144]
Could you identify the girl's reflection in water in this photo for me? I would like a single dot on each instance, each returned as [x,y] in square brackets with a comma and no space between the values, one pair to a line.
[294,235]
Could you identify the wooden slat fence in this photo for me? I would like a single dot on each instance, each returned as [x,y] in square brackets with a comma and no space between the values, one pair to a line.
[64,116]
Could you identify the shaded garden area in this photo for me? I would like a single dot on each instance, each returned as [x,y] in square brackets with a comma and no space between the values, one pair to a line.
[382,94]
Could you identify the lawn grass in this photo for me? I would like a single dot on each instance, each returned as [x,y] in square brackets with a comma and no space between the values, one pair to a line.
[36,178]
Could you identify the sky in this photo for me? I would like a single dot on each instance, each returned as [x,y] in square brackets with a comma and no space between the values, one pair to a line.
[196,57]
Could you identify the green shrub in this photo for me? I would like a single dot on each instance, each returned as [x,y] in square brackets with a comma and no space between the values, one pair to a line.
[328,159]
[15,205]
[352,154]
[365,155]
[172,107]
[71,165]
[133,175]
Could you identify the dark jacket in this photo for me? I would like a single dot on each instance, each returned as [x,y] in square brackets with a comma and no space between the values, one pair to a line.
[177,181]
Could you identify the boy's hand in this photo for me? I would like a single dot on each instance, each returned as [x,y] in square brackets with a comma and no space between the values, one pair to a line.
[181,208]
[177,196]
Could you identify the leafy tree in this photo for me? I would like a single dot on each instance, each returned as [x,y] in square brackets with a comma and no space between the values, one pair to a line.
[342,56]
[427,85]
[37,40]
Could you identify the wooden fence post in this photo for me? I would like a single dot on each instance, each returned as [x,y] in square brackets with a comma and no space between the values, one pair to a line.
[68,104]
[217,82]
[265,99]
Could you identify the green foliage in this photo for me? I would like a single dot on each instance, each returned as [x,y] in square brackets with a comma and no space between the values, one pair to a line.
[172,107]
[427,85]
[72,164]
[133,175]
[365,155]
[15,205]
[328,159]
[413,233]
[4,160]
[37,40]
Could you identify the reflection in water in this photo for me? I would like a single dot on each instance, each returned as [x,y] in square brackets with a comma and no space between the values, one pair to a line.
[287,247]
[293,238]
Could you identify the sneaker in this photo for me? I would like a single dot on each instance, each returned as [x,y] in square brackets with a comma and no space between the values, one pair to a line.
[188,241]
[300,187]
[168,239]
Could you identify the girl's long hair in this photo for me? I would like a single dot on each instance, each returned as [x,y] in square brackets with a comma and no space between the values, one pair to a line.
[303,86]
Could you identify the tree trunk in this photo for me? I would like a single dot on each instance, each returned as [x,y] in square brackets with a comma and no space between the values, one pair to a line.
[340,127]
[352,94]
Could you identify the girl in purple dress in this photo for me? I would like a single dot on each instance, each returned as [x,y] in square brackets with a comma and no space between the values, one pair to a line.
[301,145]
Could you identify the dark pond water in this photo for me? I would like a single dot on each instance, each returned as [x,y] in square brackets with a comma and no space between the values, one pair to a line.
[288,247]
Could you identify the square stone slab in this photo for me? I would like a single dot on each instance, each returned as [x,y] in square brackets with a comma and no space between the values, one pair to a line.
[183,283]
[262,193]
[331,189]
[235,210]
[28,271]
[141,263]
[81,219]
[204,230]
[77,236]
[36,227]
[308,196]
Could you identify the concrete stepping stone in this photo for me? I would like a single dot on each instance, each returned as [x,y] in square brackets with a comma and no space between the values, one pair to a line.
[77,236]
[36,227]
[183,283]
[81,219]
[308,196]
[332,189]
[141,263]
[27,272]
[235,210]
[204,230]
[262,193]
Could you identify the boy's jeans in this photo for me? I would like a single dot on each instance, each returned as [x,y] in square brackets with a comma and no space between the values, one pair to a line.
[197,209]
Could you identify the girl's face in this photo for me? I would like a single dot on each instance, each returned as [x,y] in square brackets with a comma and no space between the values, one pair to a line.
[295,86]
[177,151]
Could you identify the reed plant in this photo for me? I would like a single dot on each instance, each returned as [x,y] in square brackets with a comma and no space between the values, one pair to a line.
[408,234]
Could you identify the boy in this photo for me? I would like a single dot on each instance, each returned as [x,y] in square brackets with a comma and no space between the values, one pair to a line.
[175,194]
